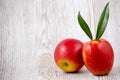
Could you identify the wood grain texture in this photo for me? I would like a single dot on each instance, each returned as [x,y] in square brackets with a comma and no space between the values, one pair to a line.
[30,30]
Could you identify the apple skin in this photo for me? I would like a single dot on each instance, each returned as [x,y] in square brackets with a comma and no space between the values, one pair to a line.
[68,55]
[98,56]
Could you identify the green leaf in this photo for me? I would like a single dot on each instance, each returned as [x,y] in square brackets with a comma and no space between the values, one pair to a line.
[102,22]
[84,26]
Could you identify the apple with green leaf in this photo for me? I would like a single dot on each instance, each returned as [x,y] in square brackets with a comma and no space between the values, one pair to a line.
[68,55]
[98,55]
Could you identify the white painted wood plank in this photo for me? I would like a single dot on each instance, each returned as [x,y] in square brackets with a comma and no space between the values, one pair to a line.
[30,30]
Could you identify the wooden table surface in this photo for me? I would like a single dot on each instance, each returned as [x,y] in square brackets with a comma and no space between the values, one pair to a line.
[30,30]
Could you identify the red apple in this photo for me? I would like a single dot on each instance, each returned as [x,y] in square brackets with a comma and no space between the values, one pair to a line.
[98,56]
[68,55]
